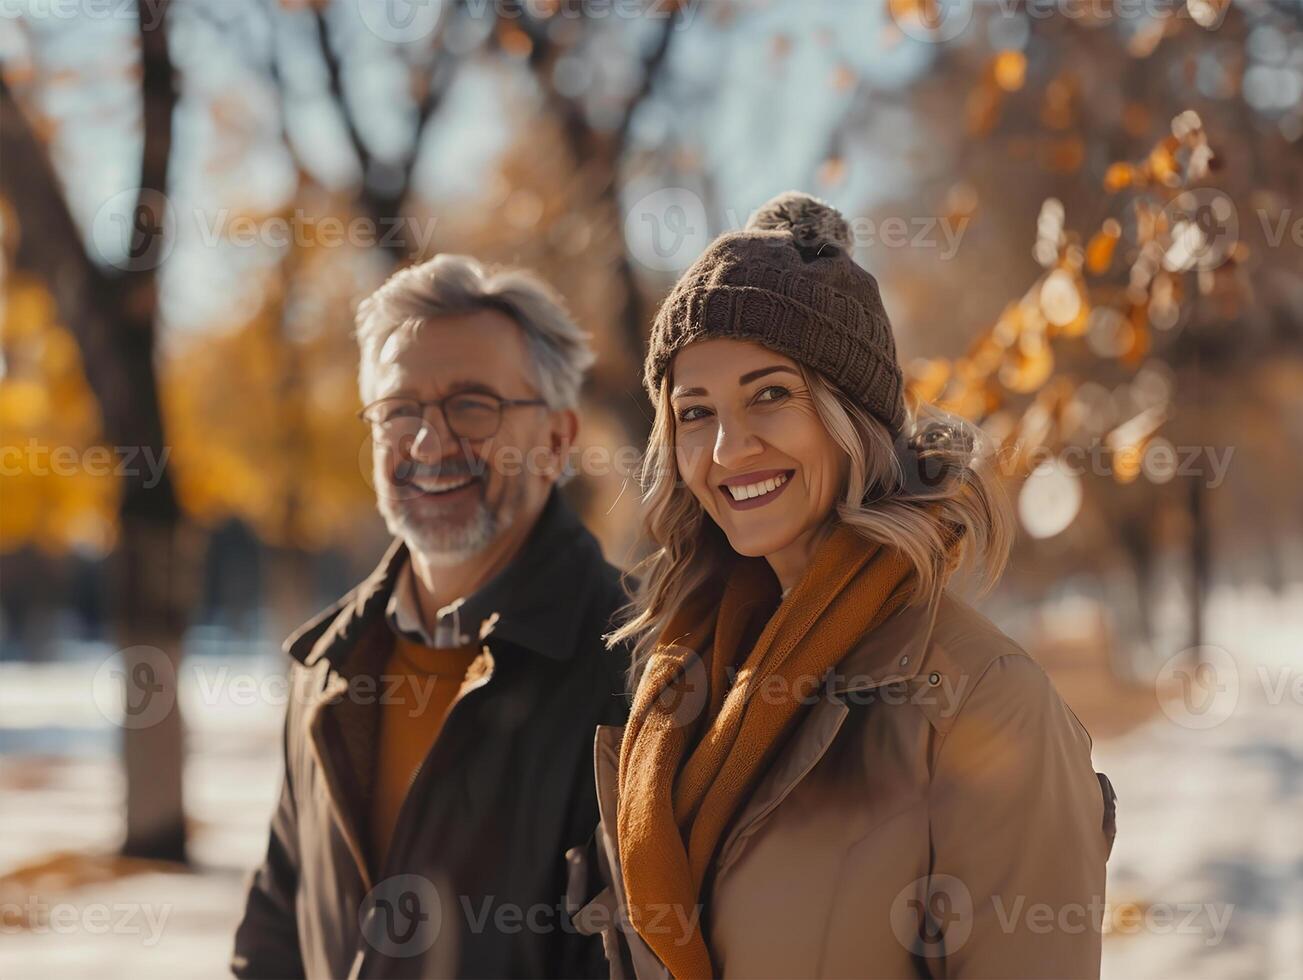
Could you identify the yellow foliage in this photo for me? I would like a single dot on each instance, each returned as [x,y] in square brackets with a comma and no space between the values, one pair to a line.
[61,490]
[261,417]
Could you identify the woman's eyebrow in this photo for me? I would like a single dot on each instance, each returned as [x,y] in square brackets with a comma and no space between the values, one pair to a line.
[745,379]
[750,376]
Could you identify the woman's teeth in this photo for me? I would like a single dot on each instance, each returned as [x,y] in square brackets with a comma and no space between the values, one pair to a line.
[757,489]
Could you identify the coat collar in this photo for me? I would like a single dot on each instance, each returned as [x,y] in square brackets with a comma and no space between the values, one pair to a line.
[538,596]
[893,651]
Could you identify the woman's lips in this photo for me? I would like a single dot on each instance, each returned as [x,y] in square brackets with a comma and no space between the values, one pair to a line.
[751,503]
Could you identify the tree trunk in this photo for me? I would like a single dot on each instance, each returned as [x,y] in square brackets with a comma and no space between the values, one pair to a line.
[112,315]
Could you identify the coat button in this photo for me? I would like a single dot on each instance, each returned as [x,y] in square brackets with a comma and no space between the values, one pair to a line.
[934,678]
[904,660]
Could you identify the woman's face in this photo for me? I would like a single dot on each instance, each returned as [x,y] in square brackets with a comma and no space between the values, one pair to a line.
[751,447]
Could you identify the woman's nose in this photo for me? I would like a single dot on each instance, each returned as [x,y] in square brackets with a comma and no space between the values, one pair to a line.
[735,444]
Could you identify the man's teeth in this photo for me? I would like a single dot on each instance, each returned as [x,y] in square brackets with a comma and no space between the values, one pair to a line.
[757,489]
[435,484]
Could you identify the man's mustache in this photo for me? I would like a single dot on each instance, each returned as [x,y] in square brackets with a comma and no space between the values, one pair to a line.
[453,467]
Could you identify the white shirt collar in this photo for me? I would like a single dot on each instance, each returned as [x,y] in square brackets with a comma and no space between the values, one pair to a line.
[403,611]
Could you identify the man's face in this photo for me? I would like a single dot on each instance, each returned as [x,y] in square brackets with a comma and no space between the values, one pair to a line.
[450,497]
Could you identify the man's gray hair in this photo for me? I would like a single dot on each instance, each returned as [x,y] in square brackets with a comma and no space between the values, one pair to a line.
[453,285]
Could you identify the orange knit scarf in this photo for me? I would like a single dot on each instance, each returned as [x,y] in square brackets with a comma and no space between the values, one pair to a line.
[694,747]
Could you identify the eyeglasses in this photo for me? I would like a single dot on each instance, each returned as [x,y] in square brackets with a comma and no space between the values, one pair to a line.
[470,415]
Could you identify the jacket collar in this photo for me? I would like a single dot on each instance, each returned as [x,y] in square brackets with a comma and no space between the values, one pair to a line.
[537,596]
[894,651]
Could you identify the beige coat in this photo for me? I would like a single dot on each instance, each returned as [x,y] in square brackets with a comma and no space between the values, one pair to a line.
[935,813]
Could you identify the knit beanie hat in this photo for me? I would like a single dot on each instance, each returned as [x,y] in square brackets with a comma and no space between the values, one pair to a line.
[788,281]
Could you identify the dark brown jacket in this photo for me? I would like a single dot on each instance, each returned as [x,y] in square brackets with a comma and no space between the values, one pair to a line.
[934,814]
[475,881]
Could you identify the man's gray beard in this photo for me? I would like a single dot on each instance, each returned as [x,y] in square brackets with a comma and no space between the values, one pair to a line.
[443,544]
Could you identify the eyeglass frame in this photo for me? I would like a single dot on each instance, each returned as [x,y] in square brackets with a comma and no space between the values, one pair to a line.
[426,403]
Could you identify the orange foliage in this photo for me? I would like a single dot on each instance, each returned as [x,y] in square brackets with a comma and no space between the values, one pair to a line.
[61,491]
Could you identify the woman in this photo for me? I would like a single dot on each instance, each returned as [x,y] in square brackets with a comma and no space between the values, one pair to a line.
[832,766]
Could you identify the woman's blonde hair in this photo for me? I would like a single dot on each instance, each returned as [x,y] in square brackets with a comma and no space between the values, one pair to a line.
[918,493]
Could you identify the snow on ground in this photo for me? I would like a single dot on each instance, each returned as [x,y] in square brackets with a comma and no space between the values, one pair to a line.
[1210,808]
[1209,847]
[161,922]
[1205,881]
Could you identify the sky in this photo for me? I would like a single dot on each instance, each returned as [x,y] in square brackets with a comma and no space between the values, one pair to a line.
[760,122]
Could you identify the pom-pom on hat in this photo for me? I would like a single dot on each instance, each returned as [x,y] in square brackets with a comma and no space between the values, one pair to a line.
[787,281]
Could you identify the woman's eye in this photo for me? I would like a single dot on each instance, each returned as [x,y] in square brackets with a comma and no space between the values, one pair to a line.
[692,413]
[772,393]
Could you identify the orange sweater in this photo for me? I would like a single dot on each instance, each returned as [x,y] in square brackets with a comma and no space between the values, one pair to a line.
[419,686]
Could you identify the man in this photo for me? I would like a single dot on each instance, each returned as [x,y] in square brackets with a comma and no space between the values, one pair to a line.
[438,740]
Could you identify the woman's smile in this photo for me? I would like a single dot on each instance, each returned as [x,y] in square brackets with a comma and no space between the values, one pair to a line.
[755,489]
